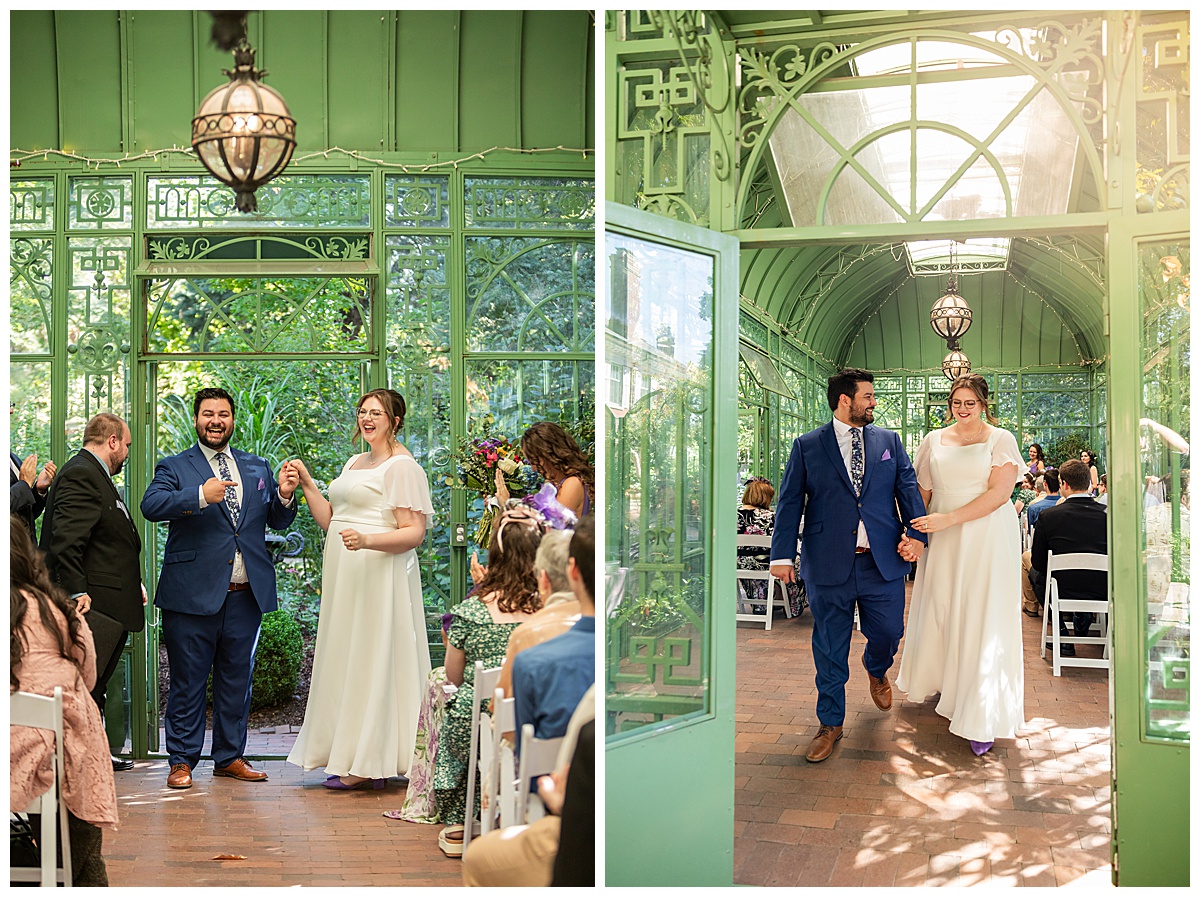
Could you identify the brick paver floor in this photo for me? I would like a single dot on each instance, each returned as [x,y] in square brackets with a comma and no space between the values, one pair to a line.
[902,802]
[290,830]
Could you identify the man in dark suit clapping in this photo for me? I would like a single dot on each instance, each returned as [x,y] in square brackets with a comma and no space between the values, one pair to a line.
[1078,524]
[92,546]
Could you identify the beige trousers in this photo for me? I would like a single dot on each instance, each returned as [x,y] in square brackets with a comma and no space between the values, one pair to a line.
[1029,600]
[517,856]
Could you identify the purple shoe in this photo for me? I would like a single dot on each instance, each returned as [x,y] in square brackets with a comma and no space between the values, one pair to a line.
[981,747]
[335,783]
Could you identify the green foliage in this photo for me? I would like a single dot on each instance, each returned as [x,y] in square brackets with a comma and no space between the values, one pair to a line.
[1066,448]
[276,662]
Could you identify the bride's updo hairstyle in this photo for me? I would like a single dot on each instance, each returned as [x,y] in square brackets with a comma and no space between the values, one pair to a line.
[393,404]
[977,385]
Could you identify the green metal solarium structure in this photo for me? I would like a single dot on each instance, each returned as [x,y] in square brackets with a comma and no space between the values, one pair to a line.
[782,188]
[433,232]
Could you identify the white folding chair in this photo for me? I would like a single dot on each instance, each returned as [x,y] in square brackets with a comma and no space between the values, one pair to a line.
[1056,606]
[491,730]
[41,712]
[538,756]
[776,590]
[485,685]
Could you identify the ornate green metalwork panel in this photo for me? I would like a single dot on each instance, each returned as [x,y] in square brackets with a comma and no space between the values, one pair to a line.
[98,341]
[31,263]
[325,201]
[1160,67]
[100,203]
[233,248]
[31,205]
[528,203]
[416,200]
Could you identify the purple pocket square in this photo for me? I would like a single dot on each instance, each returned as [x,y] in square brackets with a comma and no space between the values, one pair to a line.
[887,455]
[261,485]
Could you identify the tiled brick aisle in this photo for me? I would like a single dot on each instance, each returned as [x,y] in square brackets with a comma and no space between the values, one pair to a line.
[290,830]
[902,802]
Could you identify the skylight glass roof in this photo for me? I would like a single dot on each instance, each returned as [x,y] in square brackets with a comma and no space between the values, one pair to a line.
[916,151]
[933,256]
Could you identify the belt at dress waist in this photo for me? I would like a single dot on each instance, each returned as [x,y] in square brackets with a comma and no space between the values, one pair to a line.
[359,521]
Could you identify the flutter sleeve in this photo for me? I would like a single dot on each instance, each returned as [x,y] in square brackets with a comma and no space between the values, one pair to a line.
[405,485]
[921,462]
[1005,450]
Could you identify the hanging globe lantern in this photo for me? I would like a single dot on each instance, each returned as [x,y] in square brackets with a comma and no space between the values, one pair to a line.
[950,315]
[956,364]
[243,132]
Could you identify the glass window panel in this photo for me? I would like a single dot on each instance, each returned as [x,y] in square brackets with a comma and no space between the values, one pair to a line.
[100,204]
[325,201]
[889,411]
[530,295]
[525,203]
[1166,519]
[259,314]
[97,331]
[418,297]
[657,455]
[763,369]
[416,200]
[518,392]
[753,331]
[31,205]
[1061,380]
[29,399]
[1164,119]
[31,264]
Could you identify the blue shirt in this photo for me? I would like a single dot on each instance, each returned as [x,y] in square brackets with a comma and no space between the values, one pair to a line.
[549,679]
[1035,510]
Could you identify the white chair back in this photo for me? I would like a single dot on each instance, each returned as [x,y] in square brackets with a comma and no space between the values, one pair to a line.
[491,732]
[775,589]
[1056,606]
[41,712]
[538,756]
[485,685]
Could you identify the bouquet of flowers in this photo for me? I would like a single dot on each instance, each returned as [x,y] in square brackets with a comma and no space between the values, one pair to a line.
[477,458]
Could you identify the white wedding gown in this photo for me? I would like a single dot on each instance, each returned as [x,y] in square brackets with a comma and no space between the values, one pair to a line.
[372,654]
[963,638]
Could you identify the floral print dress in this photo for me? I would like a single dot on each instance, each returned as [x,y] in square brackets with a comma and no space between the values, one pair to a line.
[761,522]
[475,633]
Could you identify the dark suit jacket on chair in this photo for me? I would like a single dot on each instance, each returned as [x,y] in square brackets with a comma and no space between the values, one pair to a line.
[817,487]
[202,542]
[1077,525]
[23,499]
[90,542]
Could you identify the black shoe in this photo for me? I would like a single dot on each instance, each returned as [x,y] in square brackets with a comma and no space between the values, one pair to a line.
[121,765]
[1064,649]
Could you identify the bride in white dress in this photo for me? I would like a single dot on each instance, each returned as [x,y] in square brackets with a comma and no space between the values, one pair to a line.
[372,656]
[964,626]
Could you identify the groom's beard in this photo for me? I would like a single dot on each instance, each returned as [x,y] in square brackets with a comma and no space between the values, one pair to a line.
[862,418]
[217,439]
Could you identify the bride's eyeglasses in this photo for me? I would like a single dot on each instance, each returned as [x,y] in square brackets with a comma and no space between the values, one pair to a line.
[970,405]
[374,413]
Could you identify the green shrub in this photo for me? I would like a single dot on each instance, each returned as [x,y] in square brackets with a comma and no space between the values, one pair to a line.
[277,661]
[1068,447]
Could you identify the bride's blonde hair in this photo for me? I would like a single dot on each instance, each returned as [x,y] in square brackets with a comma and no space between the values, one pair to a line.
[977,385]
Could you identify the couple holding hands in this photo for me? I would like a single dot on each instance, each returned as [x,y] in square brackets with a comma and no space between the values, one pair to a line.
[218,580]
[847,479]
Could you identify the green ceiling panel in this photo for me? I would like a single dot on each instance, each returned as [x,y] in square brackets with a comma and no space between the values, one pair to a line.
[489,64]
[427,80]
[382,80]
[161,109]
[33,119]
[359,83]
[88,49]
[293,51]
[554,85]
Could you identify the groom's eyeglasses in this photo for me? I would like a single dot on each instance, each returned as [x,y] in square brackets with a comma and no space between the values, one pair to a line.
[374,413]
[967,405]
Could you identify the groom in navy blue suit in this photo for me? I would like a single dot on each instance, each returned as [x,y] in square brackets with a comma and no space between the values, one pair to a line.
[845,479]
[217,582]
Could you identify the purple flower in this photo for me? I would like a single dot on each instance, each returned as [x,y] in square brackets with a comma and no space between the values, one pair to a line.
[559,516]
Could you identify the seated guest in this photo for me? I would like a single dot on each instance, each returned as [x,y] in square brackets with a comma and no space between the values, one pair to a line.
[560,607]
[549,679]
[755,518]
[505,597]
[50,646]
[1049,500]
[1079,524]
[559,848]
[1024,493]
[419,803]
[1102,490]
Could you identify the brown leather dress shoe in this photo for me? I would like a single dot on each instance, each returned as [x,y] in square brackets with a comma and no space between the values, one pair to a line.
[240,769]
[881,692]
[180,777]
[822,745]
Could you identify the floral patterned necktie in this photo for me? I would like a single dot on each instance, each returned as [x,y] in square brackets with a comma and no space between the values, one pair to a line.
[231,499]
[856,459]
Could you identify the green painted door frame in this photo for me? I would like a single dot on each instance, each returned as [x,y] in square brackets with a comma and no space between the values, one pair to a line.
[675,777]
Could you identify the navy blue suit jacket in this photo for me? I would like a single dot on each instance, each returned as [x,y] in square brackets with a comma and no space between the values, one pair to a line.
[202,542]
[817,487]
